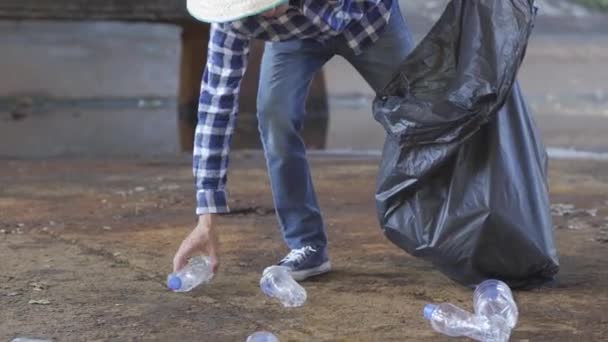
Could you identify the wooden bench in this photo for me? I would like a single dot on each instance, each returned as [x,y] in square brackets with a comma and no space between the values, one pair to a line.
[194,39]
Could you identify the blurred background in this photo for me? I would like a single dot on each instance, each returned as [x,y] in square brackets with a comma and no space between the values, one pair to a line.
[107,78]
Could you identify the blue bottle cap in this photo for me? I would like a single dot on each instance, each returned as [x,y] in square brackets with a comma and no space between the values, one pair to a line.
[174,283]
[428,311]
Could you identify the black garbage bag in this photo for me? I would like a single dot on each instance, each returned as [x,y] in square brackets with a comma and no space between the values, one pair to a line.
[463,177]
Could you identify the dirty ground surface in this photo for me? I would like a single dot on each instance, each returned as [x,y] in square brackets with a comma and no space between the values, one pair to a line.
[86,245]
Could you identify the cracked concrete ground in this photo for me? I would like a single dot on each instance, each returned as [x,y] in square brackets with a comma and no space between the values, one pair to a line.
[94,240]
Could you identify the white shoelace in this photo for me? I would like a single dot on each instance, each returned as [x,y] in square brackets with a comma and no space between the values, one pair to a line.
[297,255]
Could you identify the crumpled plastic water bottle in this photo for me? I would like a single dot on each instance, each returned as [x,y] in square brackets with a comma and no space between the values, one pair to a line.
[262,336]
[453,321]
[277,283]
[495,316]
[199,270]
[494,299]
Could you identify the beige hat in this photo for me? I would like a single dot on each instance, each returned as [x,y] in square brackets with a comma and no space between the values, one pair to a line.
[217,11]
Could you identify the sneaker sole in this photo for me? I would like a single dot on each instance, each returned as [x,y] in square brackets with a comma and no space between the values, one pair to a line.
[311,272]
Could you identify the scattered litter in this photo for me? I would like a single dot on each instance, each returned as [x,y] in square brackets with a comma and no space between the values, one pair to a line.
[117,254]
[577,225]
[45,229]
[39,286]
[570,211]
[139,189]
[13,294]
[107,228]
[3,231]
[20,225]
[169,187]
[561,209]
[104,201]
[39,302]
[52,223]
[262,336]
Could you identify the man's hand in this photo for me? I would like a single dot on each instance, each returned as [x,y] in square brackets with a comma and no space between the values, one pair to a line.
[202,240]
[277,11]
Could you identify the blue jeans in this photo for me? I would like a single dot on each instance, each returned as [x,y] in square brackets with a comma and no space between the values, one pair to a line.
[285,76]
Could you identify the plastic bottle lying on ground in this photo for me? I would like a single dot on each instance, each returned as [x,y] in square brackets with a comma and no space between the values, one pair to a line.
[495,316]
[28,339]
[199,270]
[277,282]
[456,322]
[262,336]
[494,299]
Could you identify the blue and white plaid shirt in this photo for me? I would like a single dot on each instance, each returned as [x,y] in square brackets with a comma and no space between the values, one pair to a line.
[359,22]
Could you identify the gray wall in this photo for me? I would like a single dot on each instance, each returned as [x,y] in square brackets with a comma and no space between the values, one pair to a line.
[95,88]
[109,89]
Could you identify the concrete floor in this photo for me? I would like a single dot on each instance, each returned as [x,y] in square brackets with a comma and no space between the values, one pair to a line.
[95,239]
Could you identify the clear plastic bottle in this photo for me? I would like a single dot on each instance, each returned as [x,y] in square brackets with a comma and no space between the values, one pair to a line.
[262,336]
[494,299]
[199,270]
[277,282]
[454,321]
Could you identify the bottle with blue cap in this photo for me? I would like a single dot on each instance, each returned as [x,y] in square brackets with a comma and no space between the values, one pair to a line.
[199,270]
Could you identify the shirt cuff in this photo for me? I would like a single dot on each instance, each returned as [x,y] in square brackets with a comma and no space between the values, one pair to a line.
[211,202]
